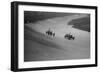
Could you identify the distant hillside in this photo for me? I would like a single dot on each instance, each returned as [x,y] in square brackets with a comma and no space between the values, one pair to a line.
[81,23]
[34,16]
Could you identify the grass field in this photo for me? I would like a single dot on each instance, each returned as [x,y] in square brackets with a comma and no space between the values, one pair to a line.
[81,23]
[40,47]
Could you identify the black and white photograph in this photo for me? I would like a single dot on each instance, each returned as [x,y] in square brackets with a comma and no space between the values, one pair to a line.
[56,36]
[53,36]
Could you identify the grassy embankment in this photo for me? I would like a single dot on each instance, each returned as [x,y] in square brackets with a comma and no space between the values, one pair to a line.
[82,23]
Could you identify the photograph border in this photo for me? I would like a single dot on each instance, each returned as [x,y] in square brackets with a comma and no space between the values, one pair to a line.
[14,35]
